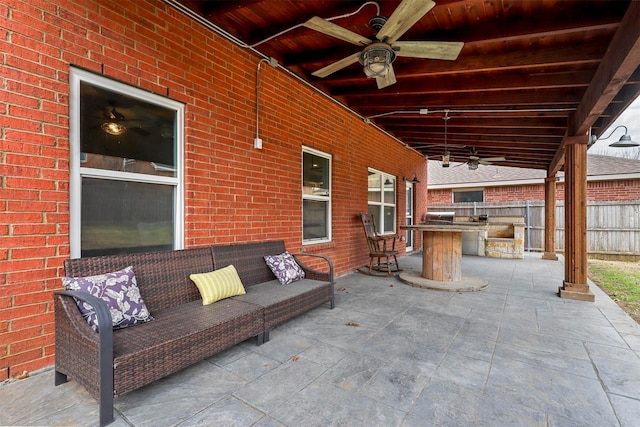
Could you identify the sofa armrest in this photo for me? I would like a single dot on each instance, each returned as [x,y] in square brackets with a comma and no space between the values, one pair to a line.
[312,273]
[105,347]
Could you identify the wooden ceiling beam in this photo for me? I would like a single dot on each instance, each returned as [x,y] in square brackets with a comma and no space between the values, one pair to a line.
[502,140]
[482,82]
[619,63]
[458,123]
[556,98]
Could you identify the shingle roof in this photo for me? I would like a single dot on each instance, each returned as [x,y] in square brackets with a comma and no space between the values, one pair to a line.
[597,166]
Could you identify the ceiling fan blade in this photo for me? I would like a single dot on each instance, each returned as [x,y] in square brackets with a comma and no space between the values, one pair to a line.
[333,30]
[336,66]
[430,50]
[389,80]
[406,14]
[460,164]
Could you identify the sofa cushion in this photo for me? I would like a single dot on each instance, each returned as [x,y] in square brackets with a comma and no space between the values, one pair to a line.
[284,267]
[178,337]
[119,290]
[218,284]
[282,303]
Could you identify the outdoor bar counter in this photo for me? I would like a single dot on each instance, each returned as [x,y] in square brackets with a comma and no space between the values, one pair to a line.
[442,249]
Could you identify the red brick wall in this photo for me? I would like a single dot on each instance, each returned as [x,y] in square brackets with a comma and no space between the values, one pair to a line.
[234,193]
[597,191]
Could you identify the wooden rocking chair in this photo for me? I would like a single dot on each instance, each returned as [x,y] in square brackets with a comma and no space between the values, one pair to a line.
[381,247]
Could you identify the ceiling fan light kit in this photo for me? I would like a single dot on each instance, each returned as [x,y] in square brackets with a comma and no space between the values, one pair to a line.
[113,128]
[446,157]
[376,59]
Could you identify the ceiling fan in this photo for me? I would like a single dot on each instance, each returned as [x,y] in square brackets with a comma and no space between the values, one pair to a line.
[381,50]
[474,161]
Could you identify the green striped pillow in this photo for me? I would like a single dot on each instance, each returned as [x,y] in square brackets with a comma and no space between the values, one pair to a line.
[219,284]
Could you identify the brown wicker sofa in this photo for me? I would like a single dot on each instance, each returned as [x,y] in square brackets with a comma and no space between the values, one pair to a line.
[114,362]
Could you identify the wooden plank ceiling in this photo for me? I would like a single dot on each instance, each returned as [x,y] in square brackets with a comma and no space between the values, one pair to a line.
[528,69]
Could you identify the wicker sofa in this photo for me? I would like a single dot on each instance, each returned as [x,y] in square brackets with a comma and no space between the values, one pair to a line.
[114,362]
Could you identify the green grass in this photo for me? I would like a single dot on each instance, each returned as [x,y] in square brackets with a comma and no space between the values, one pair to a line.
[621,281]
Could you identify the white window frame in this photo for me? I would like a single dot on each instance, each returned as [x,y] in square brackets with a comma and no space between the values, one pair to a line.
[78,172]
[380,225]
[317,197]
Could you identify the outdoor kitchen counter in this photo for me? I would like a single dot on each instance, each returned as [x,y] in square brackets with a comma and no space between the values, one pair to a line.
[442,249]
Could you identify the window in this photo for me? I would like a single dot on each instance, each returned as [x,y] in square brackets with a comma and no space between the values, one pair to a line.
[126,192]
[316,196]
[382,201]
[468,196]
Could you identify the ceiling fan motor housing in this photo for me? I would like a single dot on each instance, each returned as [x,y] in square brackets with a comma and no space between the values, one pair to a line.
[377,22]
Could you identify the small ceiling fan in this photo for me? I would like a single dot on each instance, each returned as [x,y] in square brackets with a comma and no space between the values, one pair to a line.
[381,50]
[474,161]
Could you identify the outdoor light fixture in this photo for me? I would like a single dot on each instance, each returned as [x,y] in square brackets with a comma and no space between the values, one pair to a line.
[413,180]
[113,128]
[446,156]
[376,59]
[624,141]
[445,159]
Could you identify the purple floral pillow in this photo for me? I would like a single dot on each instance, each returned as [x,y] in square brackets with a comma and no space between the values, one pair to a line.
[284,267]
[121,293]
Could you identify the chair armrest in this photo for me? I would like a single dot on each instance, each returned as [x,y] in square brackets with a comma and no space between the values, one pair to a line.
[101,308]
[105,350]
[384,238]
[312,273]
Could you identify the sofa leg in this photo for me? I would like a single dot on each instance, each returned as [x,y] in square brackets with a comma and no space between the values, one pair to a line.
[106,409]
[60,378]
[262,338]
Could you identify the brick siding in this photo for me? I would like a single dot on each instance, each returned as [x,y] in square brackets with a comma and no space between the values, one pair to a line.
[233,192]
[597,191]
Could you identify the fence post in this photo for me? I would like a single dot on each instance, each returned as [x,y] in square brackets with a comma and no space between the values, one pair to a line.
[528,226]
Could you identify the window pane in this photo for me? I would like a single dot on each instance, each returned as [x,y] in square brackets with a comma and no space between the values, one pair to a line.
[389,190]
[122,133]
[375,185]
[315,170]
[125,217]
[389,219]
[314,219]
[468,196]
[374,211]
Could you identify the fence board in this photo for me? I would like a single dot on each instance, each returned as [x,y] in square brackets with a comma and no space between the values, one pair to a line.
[613,228]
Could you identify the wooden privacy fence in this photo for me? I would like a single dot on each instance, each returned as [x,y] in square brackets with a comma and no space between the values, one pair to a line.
[613,228]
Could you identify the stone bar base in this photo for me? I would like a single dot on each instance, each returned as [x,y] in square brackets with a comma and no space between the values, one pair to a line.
[576,291]
[550,255]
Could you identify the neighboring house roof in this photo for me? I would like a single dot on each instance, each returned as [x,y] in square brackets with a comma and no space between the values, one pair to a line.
[599,168]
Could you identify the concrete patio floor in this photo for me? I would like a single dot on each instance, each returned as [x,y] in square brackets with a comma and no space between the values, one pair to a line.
[513,354]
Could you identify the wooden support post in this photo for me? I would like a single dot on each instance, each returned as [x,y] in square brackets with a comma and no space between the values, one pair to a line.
[575,218]
[550,218]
